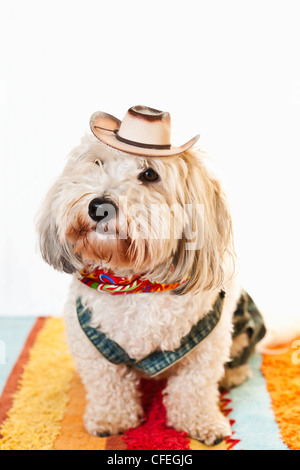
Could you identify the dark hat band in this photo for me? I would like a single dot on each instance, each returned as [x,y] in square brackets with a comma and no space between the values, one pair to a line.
[140,144]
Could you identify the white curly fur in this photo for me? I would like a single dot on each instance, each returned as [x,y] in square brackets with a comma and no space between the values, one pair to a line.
[143,323]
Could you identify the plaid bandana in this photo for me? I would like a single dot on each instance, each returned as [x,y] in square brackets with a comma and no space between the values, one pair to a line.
[105,281]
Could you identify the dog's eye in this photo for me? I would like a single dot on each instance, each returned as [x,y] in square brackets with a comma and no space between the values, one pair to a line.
[98,162]
[149,175]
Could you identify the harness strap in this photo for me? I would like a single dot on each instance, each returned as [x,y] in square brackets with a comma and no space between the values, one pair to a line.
[158,361]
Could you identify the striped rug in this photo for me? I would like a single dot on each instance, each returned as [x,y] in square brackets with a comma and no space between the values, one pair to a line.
[42,400]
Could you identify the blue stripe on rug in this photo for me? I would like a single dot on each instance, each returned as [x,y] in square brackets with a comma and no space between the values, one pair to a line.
[13,335]
[255,423]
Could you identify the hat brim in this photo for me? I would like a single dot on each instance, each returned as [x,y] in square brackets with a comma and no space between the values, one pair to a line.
[104,126]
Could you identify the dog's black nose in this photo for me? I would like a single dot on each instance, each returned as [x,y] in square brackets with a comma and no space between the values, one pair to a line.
[100,209]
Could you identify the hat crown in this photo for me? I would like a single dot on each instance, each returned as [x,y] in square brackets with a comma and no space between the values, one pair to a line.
[146,112]
[147,126]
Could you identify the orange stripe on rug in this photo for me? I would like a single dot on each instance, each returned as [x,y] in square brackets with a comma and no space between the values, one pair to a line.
[73,435]
[282,373]
[115,443]
[12,383]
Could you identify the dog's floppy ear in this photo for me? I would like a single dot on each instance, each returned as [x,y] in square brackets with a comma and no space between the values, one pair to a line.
[208,261]
[54,252]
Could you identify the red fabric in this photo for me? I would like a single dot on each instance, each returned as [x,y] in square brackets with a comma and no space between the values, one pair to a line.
[154,434]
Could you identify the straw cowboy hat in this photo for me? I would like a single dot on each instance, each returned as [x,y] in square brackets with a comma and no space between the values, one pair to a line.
[143,131]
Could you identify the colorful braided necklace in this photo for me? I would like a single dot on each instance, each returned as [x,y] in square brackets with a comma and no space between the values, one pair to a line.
[106,281]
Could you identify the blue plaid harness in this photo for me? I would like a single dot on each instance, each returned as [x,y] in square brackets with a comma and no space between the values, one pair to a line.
[246,319]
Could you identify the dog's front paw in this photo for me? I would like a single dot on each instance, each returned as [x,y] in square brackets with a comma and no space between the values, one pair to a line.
[211,431]
[210,428]
[100,425]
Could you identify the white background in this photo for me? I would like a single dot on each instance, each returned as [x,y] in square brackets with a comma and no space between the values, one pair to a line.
[227,69]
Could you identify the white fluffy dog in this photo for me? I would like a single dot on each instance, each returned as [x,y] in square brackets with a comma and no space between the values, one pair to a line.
[148,322]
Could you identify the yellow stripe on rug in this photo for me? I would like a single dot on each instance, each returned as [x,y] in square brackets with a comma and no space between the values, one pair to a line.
[196,445]
[40,403]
